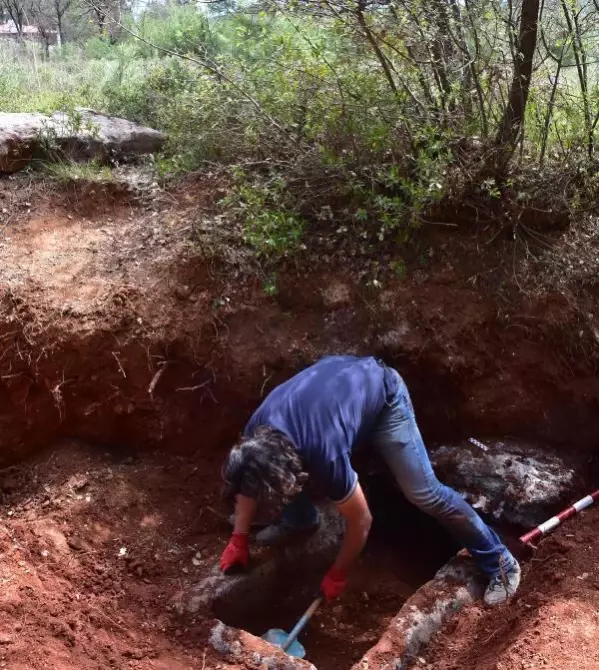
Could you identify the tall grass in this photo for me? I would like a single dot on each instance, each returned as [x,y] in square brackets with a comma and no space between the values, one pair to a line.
[29,83]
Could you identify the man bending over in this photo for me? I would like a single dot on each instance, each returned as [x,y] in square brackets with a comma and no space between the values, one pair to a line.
[299,441]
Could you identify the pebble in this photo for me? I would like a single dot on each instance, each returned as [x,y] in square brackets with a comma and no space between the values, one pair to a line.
[75,543]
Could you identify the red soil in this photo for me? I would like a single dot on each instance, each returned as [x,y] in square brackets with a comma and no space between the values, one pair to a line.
[553,622]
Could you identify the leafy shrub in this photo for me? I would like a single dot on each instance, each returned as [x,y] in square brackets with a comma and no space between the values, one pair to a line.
[181,29]
[269,223]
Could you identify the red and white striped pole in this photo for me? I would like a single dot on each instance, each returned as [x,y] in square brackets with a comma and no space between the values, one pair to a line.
[555,521]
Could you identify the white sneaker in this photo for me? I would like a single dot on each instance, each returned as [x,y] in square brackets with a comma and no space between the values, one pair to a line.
[503,586]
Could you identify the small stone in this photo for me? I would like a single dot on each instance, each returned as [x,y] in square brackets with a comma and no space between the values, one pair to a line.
[75,543]
[78,482]
[5,639]
[183,292]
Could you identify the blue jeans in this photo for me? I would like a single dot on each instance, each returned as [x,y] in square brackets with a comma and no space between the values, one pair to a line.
[397,439]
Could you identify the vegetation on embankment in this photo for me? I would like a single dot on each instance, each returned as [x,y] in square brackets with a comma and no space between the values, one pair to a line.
[347,118]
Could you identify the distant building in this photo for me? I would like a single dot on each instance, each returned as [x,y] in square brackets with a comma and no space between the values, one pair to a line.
[9,31]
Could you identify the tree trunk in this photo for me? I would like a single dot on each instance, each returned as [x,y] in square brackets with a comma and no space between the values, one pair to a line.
[59,30]
[513,116]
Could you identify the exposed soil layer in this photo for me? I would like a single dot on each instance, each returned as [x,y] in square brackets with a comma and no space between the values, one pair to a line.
[140,318]
[552,623]
[93,547]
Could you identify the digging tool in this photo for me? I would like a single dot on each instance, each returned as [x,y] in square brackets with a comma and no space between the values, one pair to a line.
[555,521]
[289,643]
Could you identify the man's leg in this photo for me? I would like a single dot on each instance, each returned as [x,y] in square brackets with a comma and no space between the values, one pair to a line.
[397,438]
[298,519]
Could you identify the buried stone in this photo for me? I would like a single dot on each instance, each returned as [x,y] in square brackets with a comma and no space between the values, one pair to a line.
[236,598]
[512,482]
[241,601]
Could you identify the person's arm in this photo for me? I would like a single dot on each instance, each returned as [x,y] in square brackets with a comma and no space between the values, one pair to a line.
[245,509]
[236,555]
[358,519]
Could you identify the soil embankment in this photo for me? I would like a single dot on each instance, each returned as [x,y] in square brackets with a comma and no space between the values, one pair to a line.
[553,623]
[140,319]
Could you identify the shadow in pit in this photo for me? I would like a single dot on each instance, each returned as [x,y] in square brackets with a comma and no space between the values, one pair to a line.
[405,549]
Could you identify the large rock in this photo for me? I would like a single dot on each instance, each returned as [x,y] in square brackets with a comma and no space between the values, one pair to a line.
[456,585]
[82,135]
[235,598]
[508,481]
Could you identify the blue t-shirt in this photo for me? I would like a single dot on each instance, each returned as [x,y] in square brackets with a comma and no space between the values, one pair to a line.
[325,410]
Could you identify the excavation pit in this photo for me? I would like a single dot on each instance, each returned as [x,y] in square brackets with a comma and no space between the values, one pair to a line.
[405,549]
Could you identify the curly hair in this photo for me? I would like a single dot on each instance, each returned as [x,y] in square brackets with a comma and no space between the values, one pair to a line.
[264,466]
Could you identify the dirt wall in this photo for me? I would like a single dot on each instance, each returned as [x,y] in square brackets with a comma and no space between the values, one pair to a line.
[120,323]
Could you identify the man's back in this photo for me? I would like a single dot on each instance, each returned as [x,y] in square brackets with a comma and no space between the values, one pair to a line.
[324,410]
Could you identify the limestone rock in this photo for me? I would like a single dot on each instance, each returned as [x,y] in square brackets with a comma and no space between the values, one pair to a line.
[242,594]
[83,135]
[509,482]
[456,585]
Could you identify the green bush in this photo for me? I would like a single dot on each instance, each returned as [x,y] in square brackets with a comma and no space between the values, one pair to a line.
[331,130]
[181,29]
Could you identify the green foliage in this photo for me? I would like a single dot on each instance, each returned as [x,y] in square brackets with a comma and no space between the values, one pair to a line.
[269,223]
[335,135]
[181,29]
[270,287]
[98,48]
[68,171]
[30,85]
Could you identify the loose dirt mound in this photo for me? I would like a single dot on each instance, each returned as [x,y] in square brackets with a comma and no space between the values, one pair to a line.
[553,623]
[92,548]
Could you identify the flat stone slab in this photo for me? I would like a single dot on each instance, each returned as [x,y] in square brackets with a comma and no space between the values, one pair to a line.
[509,481]
[82,135]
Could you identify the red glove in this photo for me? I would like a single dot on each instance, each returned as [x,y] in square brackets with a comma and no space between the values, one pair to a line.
[236,555]
[333,584]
